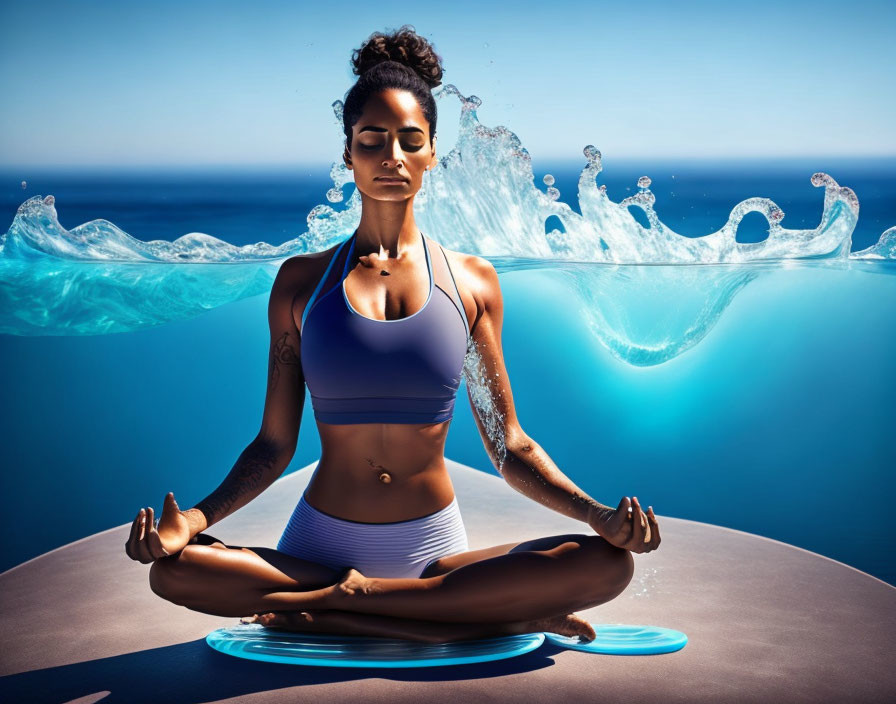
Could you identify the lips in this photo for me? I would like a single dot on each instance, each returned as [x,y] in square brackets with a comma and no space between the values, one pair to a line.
[391,179]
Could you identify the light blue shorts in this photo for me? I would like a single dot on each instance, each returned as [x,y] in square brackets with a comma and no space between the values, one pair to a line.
[400,549]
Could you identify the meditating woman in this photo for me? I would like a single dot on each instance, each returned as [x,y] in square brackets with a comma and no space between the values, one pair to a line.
[378,326]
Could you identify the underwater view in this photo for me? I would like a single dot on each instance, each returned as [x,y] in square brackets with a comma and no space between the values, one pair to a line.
[670,331]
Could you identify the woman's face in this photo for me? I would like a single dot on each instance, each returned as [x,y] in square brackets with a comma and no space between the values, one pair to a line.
[391,140]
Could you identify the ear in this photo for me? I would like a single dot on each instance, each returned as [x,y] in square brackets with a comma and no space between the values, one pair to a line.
[347,158]
[433,161]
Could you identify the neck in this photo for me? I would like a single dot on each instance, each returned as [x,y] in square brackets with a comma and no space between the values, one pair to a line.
[388,225]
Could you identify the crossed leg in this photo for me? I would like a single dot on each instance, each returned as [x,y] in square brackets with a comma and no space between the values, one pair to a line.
[512,588]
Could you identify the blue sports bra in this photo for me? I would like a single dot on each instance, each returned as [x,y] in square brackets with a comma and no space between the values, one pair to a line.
[362,370]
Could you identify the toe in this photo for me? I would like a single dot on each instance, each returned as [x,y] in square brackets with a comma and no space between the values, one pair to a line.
[269,619]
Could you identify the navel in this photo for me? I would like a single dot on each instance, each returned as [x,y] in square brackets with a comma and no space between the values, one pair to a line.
[384,475]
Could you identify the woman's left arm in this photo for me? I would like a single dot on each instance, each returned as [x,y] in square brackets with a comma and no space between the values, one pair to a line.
[526,466]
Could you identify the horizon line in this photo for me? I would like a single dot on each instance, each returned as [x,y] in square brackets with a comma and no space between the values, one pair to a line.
[565,160]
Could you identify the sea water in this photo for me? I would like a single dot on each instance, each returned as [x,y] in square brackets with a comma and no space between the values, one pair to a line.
[666,336]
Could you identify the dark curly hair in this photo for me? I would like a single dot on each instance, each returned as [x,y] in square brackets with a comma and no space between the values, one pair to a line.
[402,60]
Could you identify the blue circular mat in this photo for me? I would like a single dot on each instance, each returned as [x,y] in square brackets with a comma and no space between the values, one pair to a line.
[256,642]
[624,639]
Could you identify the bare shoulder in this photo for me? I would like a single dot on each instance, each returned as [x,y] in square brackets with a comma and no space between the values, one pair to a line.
[477,272]
[296,279]
[477,281]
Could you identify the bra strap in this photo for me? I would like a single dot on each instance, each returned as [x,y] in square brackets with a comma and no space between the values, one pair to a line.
[323,283]
[444,277]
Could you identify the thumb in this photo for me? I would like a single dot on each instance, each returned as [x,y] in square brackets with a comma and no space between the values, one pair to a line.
[170,504]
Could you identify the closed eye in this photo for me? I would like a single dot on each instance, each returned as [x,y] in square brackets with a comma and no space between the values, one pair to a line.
[408,147]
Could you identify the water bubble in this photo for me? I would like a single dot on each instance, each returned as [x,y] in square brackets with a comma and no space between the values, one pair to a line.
[548,180]
[644,182]
[24,185]
[337,109]
[553,193]
[591,153]
[334,195]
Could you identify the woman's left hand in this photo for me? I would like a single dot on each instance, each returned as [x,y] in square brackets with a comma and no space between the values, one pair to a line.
[628,527]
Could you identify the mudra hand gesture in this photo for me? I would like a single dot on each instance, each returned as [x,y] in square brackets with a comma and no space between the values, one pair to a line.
[148,543]
[628,526]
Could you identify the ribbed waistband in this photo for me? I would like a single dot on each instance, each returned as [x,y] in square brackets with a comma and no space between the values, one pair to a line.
[450,508]
[401,548]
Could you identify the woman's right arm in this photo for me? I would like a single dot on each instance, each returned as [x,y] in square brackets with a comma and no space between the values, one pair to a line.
[265,458]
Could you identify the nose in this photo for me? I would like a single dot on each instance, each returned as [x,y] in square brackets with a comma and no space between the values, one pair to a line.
[393,156]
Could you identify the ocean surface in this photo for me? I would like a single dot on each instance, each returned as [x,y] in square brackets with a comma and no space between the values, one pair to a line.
[753,395]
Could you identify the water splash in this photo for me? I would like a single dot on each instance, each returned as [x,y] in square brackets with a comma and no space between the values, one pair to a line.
[483,398]
[884,249]
[644,584]
[481,199]
[648,315]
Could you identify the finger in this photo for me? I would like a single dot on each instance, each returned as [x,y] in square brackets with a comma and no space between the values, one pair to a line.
[140,548]
[642,521]
[169,508]
[655,527]
[153,540]
[638,522]
[132,537]
[621,519]
[625,533]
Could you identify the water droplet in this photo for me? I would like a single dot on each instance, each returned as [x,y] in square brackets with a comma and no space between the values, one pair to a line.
[24,185]
[548,180]
[591,152]
[644,182]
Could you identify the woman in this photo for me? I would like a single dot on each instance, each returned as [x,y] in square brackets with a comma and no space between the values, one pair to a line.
[378,327]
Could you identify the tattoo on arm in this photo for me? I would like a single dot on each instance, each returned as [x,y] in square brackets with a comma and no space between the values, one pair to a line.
[282,355]
[249,477]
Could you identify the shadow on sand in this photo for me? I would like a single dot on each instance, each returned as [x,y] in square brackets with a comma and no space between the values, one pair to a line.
[193,672]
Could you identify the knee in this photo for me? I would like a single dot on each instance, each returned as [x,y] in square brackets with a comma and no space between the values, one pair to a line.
[169,577]
[164,577]
[612,572]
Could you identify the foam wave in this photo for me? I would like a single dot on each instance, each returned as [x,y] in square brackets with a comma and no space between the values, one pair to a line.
[482,199]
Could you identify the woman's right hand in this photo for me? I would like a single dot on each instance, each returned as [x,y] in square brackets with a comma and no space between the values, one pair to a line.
[147,543]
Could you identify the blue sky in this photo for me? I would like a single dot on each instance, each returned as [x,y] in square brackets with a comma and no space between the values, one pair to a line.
[202,83]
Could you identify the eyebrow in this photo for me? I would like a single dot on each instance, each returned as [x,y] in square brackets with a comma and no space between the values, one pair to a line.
[383,129]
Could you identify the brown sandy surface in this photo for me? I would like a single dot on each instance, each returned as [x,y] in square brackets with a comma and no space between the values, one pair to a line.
[766,622]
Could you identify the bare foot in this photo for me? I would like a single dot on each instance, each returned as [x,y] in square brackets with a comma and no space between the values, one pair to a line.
[346,623]
[285,620]
[352,582]
[569,625]
[386,627]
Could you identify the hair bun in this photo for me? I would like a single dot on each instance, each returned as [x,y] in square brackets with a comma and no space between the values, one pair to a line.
[403,46]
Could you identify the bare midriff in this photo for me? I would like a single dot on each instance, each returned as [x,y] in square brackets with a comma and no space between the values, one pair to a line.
[381,472]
